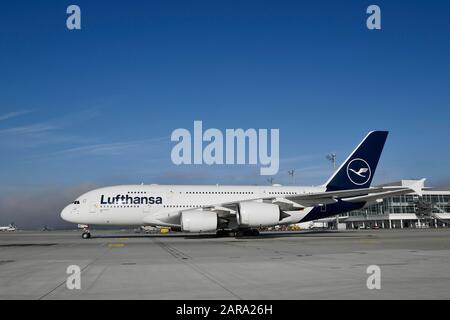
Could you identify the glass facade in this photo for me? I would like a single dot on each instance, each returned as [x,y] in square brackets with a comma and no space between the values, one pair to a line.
[412,204]
[431,209]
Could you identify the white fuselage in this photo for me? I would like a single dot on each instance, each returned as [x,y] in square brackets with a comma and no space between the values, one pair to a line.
[161,205]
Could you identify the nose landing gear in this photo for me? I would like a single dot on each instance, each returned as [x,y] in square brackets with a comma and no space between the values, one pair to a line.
[86,233]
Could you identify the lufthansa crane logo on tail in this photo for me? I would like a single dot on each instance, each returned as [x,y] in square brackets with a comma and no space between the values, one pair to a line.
[358,171]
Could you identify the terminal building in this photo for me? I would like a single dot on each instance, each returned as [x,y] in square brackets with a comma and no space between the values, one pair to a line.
[431,210]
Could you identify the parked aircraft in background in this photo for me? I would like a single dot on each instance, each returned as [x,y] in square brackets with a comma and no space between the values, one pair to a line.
[9,228]
[238,210]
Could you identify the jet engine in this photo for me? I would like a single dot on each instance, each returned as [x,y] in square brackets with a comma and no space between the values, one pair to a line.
[258,214]
[198,221]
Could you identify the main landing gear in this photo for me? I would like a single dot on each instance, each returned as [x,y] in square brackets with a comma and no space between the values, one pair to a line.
[225,233]
[238,233]
[247,233]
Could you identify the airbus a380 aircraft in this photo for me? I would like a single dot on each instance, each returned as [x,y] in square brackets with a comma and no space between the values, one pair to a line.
[238,210]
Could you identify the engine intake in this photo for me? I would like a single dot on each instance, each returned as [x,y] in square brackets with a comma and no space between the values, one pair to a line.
[198,221]
[258,214]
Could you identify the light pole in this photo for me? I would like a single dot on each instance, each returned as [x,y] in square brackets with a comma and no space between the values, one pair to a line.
[332,157]
[292,174]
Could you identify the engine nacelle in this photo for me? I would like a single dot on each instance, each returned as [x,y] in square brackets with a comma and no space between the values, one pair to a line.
[198,221]
[258,214]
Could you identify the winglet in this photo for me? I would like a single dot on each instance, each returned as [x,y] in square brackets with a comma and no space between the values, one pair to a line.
[418,186]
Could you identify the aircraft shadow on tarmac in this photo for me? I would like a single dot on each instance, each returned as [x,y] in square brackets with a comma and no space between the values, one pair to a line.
[263,235]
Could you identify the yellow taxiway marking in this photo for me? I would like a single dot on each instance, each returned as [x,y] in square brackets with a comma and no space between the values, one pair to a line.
[116,245]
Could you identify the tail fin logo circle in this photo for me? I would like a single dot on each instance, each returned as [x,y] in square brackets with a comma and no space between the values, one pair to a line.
[358,171]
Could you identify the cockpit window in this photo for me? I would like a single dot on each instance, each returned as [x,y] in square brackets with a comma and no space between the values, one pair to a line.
[76,202]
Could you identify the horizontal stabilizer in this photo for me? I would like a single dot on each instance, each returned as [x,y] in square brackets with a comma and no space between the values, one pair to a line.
[381,195]
[330,197]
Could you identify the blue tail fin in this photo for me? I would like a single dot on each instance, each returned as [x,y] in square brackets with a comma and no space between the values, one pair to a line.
[358,169]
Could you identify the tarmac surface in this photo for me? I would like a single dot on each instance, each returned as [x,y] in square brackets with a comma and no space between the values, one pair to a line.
[414,264]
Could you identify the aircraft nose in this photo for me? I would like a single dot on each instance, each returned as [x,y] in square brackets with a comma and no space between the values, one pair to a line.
[65,214]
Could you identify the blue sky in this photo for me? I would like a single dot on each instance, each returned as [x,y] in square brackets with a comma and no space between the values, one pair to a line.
[97,106]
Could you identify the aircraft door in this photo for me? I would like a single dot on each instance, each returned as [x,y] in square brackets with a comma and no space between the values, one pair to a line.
[93,208]
[148,208]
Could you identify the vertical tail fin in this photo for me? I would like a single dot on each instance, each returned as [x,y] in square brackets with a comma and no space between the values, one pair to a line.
[358,169]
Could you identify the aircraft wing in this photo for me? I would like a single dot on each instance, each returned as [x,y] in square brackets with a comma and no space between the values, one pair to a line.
[222,211]
[297,202]
[172,219]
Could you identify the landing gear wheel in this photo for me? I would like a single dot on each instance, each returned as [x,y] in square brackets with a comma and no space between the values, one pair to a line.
[239,233]
[86,235]
[220,233]
[247,233]
[225,233]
